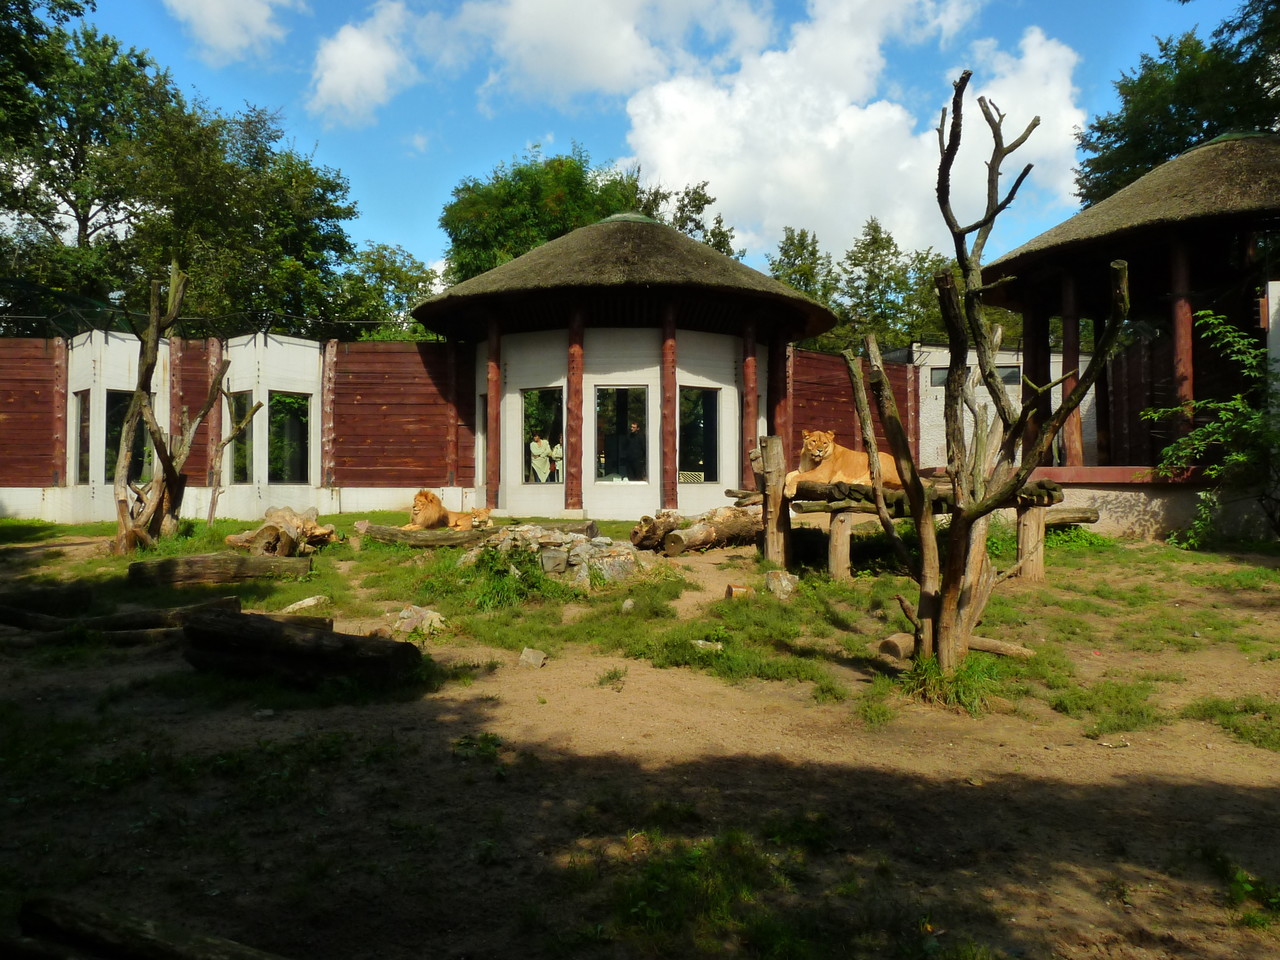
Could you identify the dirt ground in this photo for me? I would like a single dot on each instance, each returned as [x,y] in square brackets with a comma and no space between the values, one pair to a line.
[1013,830]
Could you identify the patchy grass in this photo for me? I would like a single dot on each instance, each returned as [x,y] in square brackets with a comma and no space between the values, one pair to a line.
[1110,706]
[1251,719]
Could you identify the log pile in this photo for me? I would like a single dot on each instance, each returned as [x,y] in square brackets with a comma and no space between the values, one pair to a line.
[673,534]
[285,533]
[72,929]
[861,498]
[253,645]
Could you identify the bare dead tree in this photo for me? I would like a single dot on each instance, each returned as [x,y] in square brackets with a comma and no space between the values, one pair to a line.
[149,511]
[984,471]
[215,469]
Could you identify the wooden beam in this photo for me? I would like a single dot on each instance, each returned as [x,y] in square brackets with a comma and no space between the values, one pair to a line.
[58,476]
[780,393]
[573,452]
[451,414]
[838,542]
[670,411]
[493,423]
[328,414]
[1031,543]
[777,521]
[750,403]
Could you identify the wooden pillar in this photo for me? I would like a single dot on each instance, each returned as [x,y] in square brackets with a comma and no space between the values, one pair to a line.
[670,407]
[58,472]
[1031,543]
[750,403]
[493,423]
[777,519]
[1183,366]
[451,414]
[1035,366]
[213,434]
[913,410]
[573,440]
[329,415]
[838,541]
[1102,402]
[1072,429]
[780,393]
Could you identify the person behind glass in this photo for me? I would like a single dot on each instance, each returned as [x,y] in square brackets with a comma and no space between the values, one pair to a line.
[557,460]
[540,457]
[631,460]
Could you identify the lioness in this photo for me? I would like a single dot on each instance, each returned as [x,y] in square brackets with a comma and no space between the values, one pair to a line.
[429,513]
[822,460]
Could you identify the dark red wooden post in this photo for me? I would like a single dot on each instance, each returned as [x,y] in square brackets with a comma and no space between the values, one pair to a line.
[175,385]
[59,472]
[213,433]
[780,393]
[750,404]
[451,414]
[670,411]
[493,424]
[573,440]
[1183,367]
[1072,430]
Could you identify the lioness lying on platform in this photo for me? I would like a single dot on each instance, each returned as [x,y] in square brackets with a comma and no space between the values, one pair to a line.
[429,513]
[822,460]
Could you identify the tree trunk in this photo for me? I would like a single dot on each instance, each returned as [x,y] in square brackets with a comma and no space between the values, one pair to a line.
[284,533]
[214,568]
[777,521]
[722,527]
[249,645]
[84,927]
[1067,516]
[838,537]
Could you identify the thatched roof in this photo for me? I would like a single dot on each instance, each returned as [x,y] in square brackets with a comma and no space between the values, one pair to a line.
[1232,177]
[626,254]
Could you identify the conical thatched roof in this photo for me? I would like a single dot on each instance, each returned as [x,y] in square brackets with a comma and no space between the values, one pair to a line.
[1232,177]
[624,255]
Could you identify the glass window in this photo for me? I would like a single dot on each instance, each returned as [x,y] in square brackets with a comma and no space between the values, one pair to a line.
[543,435]
[621,428]
[288,433]
[82,436]
[241,448]
[140,462]
[937,376]
[1010,376]
[699,435]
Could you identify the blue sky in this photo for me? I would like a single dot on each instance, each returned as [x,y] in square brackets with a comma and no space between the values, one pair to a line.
[814,115]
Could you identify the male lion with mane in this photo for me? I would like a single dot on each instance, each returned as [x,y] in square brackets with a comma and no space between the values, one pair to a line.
[429,513]
[822,460]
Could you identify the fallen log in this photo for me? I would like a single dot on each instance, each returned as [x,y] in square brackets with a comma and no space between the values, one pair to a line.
[722,527]
[159,637]
[131,620]
[648,534]
[215,568]
[442,537]
[1066,516]
[50,598]
[901,646]
[285,533]
[91,931]
[251,645]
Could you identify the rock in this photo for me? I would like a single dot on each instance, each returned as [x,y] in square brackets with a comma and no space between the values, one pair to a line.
[781,584]
[554,560]
[628,605]
[306,604]
[530,657]
[708,644]
[613,567]
[413,618]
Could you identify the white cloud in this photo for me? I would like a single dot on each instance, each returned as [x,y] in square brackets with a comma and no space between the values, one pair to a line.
[803,136]
[231,30]
[362,66]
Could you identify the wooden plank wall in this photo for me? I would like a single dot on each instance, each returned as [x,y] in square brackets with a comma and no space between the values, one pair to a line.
[32,412]
[189,387]
[391,414]
[822,399]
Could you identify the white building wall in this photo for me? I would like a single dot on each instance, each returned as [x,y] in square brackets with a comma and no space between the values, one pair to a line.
[932,410]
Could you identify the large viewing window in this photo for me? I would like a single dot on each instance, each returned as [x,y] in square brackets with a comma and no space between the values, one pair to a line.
[240,450]
[140,462]
[699,435]
[543,435]
[288,434]
[621,428]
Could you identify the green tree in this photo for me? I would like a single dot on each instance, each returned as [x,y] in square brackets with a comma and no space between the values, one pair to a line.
[382,284]
[24,33]
[801,264]
[524,204]
[1188,92]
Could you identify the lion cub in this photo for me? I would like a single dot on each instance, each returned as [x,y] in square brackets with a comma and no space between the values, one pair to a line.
[822,460]
[429,513]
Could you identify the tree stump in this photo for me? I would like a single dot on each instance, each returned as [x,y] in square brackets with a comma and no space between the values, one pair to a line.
[649,533]
[777,521]
[1031,543]
[250,645]
[285,533]
[838,546]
